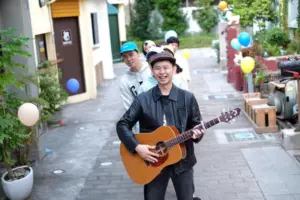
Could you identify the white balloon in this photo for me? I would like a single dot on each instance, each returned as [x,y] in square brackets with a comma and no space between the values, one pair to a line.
[28,114]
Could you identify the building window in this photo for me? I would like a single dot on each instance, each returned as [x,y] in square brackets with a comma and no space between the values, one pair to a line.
[41,48]
[95,31]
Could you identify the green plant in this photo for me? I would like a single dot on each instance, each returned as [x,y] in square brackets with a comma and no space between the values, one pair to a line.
[154,27]
[251,11]
[11,46]
[14,135]
[272,50]
[141,19]
[283,12]
[293,47]
[298,17]
[207,17]
[13,132]
[276,36]
[174,19]
[260,76]
[50,89]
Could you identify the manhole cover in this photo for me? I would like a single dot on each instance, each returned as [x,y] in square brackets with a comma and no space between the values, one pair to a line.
[243,136]
[221,96]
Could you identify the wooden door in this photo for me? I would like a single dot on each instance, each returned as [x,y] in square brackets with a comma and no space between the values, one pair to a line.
[67,41]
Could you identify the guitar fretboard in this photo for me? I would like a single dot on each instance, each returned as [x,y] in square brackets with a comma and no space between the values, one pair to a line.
[188,134]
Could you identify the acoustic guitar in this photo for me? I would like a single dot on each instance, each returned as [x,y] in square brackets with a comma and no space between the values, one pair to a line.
[169,144]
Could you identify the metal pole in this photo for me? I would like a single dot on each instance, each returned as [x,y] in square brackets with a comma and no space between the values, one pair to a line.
[250,83]
[297,129]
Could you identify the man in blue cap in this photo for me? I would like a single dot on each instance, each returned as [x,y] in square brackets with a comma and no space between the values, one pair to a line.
[137,73]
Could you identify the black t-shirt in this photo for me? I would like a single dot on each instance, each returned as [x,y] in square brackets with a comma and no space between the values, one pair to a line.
[167,107]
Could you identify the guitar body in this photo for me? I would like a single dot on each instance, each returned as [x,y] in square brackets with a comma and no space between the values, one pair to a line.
[143,172]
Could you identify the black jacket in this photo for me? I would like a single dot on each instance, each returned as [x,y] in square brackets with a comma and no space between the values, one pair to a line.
[148,110]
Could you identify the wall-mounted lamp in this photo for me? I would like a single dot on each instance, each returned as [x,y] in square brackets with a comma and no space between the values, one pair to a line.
[42,2]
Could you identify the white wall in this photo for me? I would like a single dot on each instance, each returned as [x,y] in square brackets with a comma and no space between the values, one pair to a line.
[292,14]
[102,52]
[193,24]
[15,14]
[121,20]
[40,19]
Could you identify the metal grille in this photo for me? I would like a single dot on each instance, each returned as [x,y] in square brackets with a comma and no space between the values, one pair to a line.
[221,96]
[244,136]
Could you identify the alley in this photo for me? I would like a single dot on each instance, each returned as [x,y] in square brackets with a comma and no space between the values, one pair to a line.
[233,161]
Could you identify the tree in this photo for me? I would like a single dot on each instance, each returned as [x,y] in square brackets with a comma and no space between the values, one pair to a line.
[251,11]
[206,15]
[154,27]
[174,19]
[141,18]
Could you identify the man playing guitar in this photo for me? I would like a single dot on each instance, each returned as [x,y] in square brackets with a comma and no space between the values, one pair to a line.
[165,104]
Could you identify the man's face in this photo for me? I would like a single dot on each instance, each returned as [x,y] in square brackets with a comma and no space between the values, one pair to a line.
[175,46]
[163,72]
[131,58]
[148,47]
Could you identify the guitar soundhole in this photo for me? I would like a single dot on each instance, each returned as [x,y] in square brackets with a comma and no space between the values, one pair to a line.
[162,150]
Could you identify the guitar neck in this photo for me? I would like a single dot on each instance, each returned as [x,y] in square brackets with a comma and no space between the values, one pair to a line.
[188,134]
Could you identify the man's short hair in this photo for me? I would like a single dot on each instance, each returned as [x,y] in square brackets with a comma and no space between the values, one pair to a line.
[173,40]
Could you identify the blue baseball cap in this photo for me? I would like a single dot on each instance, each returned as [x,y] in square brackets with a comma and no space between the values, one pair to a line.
[128,46]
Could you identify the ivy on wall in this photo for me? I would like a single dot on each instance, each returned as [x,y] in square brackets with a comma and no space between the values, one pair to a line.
[298,17]
[283,14]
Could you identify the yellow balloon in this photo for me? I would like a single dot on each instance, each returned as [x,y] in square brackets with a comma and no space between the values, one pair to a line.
[186,53]
[223,5]
[247,64]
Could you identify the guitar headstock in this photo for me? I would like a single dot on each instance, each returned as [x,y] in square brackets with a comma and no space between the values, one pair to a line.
[230,115]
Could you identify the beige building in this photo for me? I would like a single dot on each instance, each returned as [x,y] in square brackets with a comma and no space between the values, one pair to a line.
[73,33]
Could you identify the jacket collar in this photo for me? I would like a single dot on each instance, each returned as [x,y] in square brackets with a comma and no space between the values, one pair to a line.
[172,96]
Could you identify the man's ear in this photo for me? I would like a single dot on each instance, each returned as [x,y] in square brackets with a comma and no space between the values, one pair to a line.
[174,69]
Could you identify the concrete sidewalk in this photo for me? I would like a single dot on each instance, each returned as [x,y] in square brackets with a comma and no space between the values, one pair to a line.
[233,161]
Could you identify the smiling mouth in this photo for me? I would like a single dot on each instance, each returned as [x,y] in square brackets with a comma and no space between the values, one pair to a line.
[162,78]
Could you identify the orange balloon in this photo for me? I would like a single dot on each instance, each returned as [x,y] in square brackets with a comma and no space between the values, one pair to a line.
[223,5]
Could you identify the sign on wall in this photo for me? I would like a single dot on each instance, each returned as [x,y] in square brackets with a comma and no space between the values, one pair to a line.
[66,37]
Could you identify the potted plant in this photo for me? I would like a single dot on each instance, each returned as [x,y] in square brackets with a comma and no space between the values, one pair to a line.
[51,91]
[259,77]
[17,182]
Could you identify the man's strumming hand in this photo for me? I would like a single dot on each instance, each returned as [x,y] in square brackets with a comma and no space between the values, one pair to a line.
[145,153]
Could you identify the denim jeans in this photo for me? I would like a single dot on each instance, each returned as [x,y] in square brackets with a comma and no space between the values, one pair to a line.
[183,184]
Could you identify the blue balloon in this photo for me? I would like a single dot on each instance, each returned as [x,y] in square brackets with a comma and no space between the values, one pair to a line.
[73,85]
[244,39]
[235,44]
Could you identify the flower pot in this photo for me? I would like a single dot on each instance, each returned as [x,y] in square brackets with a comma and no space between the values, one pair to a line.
[18,189]
[56,119]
